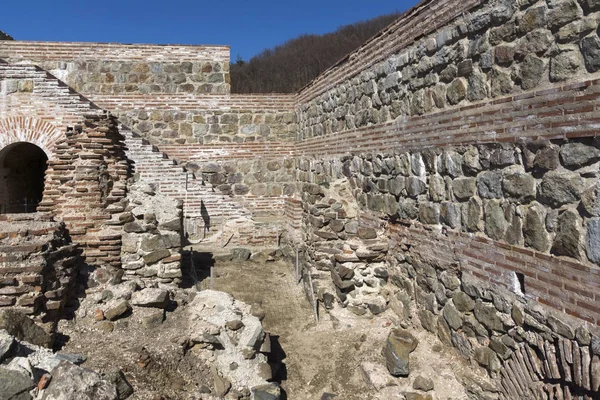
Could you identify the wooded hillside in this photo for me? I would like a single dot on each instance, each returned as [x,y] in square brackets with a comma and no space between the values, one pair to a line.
[5,36]
[290,66]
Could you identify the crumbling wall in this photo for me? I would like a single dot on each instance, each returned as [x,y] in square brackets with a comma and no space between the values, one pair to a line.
[38,265]
[85,181]
[152,240]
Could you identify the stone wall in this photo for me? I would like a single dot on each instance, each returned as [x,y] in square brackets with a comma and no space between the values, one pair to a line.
[207,119]
[101,68]
[497,48]
[462,141]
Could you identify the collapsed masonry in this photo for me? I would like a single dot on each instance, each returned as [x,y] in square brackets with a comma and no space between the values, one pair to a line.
[448,170]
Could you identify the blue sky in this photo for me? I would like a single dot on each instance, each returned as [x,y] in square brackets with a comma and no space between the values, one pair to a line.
[247,26]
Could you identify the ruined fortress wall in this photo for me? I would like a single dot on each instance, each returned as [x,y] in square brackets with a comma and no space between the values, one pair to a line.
[108,68]
[470,147]
[177,96]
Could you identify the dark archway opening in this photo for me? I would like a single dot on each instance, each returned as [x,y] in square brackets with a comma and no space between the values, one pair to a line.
[22,171]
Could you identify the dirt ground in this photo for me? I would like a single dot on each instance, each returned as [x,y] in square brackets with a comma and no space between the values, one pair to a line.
[328,357]
[325,360]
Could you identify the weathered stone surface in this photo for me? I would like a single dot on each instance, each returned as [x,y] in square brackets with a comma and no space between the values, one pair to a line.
[534,231]
[72,382]
[576,155]
[450,163]
[590,200]
[398,346]
[472,217]
[559,188]
[116,309]
[489,184]
[595,373]
[547,158]
[7,343]
[150,297]
[14,385]
[563,12]
[397,185]
[487,358]
[240,254]
[365,232]
[415,186]
[437,188]
[450,214]
[495,222]
[429,213]
[500,82]
[564,65]
[452,316]
[502,156]
[488,316]
[590,48]
[535,42]
[423,383]
[456,91]
[519,186]
[568,241]
[23,328]
[117,378]
[464,188]
[533,18]
[270,391]
[532,70]
[463,302]
[593,240]
[156,256]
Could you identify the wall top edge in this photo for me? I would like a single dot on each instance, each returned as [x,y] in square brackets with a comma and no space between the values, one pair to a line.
[16,43]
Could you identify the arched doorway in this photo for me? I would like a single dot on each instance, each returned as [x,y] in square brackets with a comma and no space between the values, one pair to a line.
[22,171]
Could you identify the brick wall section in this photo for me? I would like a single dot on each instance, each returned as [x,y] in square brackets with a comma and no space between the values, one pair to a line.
[211,119]
[120,68]
[496,49]
[190,102]
[86,177]
[38,264]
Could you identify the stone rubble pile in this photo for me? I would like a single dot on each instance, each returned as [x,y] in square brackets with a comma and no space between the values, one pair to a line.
[224,331]
[30,371]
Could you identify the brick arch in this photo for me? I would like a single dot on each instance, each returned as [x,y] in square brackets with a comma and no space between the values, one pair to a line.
[24,129]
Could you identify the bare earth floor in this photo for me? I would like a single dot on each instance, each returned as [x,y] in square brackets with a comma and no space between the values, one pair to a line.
[327,360]
[328,357]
